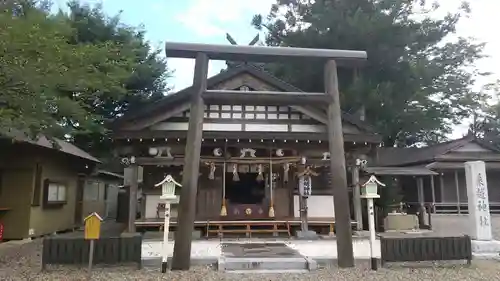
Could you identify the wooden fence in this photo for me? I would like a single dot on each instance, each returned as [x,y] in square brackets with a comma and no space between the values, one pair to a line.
[108,250]
[425,249]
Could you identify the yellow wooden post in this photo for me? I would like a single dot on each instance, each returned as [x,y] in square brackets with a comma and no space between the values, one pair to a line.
[92,226]
[92,233]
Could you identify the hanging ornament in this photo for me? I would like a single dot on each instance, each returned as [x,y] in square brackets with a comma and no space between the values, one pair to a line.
[260,177]
[271,209]
[286,168]
[235,173]
[211,175]
[223,210]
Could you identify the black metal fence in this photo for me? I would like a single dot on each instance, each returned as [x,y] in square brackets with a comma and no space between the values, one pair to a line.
[425,249]
[107,250]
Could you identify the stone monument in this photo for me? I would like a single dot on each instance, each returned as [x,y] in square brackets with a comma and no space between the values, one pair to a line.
[479,210]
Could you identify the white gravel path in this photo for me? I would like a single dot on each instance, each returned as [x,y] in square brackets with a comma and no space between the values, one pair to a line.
[22,262]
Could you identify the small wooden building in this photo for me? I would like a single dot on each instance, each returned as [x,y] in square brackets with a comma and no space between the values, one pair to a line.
[249,153]
[40,184]
[442,171]
[101,194]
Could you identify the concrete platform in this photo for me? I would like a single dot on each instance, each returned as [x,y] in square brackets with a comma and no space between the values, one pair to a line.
[486,249]
[209,252]
[259,257]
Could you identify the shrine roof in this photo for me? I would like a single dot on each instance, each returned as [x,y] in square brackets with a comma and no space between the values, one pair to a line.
[184,95]
[397,156]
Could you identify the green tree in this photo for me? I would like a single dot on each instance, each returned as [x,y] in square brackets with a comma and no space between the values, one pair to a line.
[145,83]
[44,79]
[417,82]
[486,120]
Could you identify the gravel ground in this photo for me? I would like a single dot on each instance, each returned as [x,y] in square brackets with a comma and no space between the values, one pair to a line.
[23,263]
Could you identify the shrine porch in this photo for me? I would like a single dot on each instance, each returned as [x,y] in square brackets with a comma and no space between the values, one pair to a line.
[248,228]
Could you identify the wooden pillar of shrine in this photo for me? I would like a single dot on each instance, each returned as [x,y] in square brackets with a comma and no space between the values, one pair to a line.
[338,169]
[187,207]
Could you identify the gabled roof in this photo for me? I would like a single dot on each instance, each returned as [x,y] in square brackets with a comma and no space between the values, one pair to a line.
[397,156]
[56,144]
[184,94]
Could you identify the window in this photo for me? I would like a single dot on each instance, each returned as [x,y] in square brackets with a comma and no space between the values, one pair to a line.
[57,193]
[91,192]
[54,193]
[94,191]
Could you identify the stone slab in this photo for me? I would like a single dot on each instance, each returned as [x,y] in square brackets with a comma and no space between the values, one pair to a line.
[258,250]
[156,262]
[307,235]
[252,264]
[311,264]
[486,247]
[266,271]
[158,235]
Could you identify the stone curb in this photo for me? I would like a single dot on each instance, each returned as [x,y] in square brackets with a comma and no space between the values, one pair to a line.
[196,261]
[313,262]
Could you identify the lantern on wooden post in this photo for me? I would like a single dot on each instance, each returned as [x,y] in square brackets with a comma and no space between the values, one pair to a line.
[370,188]
[369,191]
[168,185]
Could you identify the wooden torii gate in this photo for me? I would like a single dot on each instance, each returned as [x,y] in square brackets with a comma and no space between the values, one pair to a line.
[202,53]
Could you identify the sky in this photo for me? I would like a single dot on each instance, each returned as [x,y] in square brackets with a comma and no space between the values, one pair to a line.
[207,21]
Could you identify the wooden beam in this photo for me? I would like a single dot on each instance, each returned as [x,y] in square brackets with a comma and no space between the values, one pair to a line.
[232,97]
[312,112]
[262,54]
[159,161]
[149,121]
[337,169]
[159,134]
[133,187]
[433,190]
[441,187]
[179,161]
[421,202]
[187,208]
[457,188]
[356,197]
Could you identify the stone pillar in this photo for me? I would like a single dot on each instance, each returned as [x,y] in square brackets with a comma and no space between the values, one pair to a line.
[356,196]
[422,214]
[477,193]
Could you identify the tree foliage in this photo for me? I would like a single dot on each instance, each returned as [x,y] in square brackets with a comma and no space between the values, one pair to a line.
[417,82]
[69,74]
[145,82]
[486,120]
[37,65]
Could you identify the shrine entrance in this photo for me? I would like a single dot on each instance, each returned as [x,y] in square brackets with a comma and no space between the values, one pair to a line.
[245,197]
[247,190]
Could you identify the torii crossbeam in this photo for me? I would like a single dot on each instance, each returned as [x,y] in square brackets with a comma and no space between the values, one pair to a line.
[203,53]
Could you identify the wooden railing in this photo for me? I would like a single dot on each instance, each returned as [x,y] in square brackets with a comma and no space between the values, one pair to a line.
[461,208]
[448,207]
